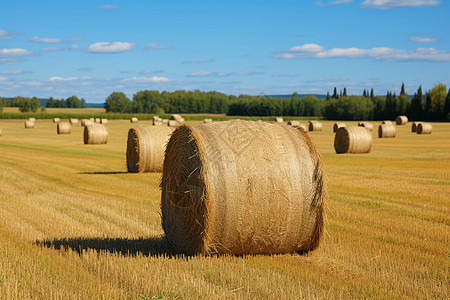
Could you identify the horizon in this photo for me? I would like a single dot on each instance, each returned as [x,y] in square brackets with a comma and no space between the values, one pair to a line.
[91,49]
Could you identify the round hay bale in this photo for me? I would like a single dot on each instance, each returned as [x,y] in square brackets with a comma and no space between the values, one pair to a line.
[92,120]
[85,122]
[64,128]
[278,120]
[95,134]
[165,121]
[56,120]
[367,125]
[133,120]
[181,121]
[386,131]
[97,120]
[73,121]
[145,148]
[32,119]
[29,124]
[104,121]
[175,117]
[207,120]
[173,123]
[338,125]
[157,122]
[0,132]
[156,118]
[315,126]
[293,123]
[414,126]
[424,128]
[353,139]
[261,192]
[386,122]
[401,120]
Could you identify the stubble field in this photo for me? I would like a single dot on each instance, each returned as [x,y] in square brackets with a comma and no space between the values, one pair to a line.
[75,225]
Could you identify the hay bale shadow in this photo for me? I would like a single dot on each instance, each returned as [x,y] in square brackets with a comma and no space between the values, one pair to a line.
[157,246]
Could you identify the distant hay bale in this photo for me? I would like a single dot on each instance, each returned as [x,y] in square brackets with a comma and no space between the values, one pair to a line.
[95,134]
[156,118]
[56,120]
[386,122]
[338,125]
[173,123]
[222,196]
[386,131]
[0,132]
[293,123]
[181,121]
[353,139]
[278,120]
[97,120]
[145,148]
[157,122]
[29,124]
[63,128]
[73,121]
[175,117]
[207,120]
[367,125]
[32,119]
[424,128]
[165,121]
[133,120]
[401,120]
[315,126]
[85,122]
[414,126]
[92,119]
[104,121]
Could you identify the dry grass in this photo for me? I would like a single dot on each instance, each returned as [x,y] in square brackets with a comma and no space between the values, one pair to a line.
[85,228]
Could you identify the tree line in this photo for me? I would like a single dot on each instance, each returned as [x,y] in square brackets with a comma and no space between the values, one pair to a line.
[71,102]
[26,104]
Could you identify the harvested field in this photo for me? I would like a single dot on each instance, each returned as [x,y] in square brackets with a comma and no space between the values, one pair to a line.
[86,228]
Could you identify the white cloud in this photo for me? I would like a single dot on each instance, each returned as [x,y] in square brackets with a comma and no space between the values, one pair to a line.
[14,72]
[150,72]
[200,74]
[156,46]
[388,4]
[46,40]
[108,6]
[13,54]
[50,49]
[59,79]
[146,79]
[114,47]
[337,2]
[7,35]
[379,53]
[418,39]
[307,48]
[3,78]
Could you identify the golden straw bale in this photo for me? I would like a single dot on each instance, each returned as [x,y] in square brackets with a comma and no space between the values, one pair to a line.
[97,120]
[386,122]
[56,120]
[367,125]
[338,125]
[293,123]
[0,132]
[207,120]
[85,122]
[134,120]
[92,120]
[63,128]
[175,117]
[165,121]
[73,121]
[278,120]
[386,131]
[156,118]
[104,121]
[95,134]
[32,119]
[29,124]
[315,126]
[173,123]
[353,139]
[424,128]
[262,191]
[401,120]
[157,122]
[414,126]
[145,148]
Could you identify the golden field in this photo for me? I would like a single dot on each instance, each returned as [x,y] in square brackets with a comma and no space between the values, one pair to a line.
[75,225]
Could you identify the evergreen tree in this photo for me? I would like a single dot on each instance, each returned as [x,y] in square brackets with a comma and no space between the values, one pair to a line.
[371,94]
[345,92]
[415,112]
[364,93]
[402,92]
[427,112]
[335,96]
[447,107]
[328,95]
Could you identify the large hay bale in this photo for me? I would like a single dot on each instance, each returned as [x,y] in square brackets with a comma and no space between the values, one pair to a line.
[133,120]
[367,125]
[207,120]
[56,120]
[386,131]
[315,126]
[353,139]
[104,121]
[386,122]
[424,128]
[401,120]
[414,126]
[338,125]
[32,119]
[278,120]
[73,121]
[145,148]
[95,134]
[63,128]
[260,192]
[29,124]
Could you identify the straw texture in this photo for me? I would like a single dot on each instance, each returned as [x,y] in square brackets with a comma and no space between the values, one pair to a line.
[338,125]
[145,148]
[64,128]
[56,120]
[367,125]
[386,131]
[29,124]
[414,126]
[95,134]
[424,128]
[262,190]
[315,126]
[401,120]
[352,140]
[134,120]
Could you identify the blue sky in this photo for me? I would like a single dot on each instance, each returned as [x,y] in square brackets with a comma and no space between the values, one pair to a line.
[92,48]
